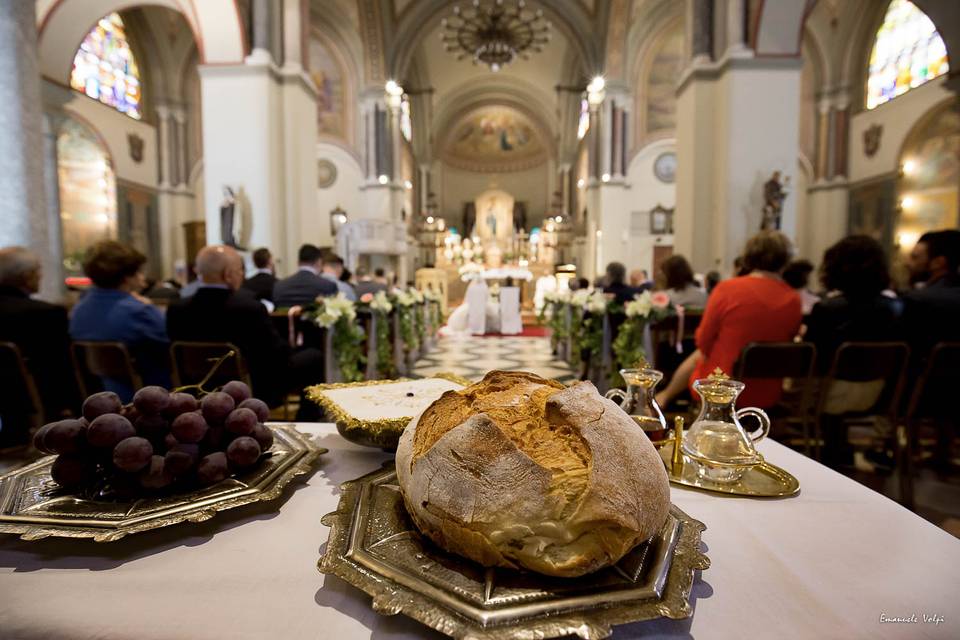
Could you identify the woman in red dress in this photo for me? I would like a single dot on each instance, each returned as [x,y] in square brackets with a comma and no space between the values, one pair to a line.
[756,307]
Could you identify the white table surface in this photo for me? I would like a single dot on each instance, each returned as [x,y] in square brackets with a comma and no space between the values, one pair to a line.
[825,564]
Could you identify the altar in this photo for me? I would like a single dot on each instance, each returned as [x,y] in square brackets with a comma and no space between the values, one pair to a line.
[495,245]
[832,562]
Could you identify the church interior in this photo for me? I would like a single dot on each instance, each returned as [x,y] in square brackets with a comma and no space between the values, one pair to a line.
[638,195]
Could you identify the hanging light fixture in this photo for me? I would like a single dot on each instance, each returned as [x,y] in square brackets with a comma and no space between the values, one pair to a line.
[495,32]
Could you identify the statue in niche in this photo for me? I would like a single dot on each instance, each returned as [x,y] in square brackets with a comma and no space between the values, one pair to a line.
[774,193]
[231,219]
[492,218]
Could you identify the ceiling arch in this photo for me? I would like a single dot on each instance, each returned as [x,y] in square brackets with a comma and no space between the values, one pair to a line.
[570,19]
[63,25]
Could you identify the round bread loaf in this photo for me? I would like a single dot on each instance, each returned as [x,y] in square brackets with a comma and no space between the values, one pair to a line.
[522,472]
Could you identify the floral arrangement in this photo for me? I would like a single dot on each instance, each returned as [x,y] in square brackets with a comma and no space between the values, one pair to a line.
[433,299]
[419,323]
[594,305]
[406,302]
[379,305]
[338,315]
[645,308]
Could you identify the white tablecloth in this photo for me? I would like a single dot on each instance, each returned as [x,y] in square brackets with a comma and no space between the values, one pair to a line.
[826,564]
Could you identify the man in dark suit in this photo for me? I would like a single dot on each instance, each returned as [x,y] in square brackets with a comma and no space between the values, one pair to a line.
[366,284]
[931,312]
[261,283]
[39,329]
[615,283]
[305,285]
[217,313]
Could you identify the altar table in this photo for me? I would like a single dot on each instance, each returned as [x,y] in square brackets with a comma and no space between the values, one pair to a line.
[833,562]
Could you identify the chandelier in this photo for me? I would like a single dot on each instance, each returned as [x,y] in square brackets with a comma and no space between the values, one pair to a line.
[495,32]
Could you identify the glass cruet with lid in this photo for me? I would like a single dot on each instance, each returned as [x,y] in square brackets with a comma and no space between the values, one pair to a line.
[716,439]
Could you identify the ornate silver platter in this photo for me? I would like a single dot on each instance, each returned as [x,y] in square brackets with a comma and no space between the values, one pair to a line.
[33,506]
[374,546]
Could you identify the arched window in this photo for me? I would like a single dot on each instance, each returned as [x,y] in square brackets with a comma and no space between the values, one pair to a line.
[908,51]
[88,192]
[105,69]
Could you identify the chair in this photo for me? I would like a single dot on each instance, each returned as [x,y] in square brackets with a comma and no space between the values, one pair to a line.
[20,397]
[192,362]
[864,362]
[93,361]
[794,360]
[931,399]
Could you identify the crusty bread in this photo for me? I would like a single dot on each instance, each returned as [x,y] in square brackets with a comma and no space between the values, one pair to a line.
[522,472]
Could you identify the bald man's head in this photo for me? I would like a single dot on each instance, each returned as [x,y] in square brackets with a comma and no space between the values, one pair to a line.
[218,264]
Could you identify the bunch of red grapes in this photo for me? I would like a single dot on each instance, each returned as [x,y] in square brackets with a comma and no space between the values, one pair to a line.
[161,439]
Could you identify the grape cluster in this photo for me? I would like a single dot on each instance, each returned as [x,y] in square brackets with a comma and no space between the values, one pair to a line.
[161,439]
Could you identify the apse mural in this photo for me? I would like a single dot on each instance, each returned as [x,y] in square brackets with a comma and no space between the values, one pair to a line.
[665,67]
[331,96]
[495,138]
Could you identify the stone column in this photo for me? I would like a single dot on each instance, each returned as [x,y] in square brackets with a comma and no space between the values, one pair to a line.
[730,139]
[163,146]
[21,137]
[260,49]
[700,19]
[736,28]
[565,192]
[52,256]
[179,127]
[594,144]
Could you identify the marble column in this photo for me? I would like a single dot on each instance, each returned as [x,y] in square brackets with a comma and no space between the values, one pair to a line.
[594,146]
[731,136]
[736,28]
[260,49]
[52,255]
[700,19]
[395,144]
[22,189]
[163,146]
[179,127]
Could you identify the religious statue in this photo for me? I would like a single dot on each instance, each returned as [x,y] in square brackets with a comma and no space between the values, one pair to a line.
[774,193]
[492,218]
[231,219]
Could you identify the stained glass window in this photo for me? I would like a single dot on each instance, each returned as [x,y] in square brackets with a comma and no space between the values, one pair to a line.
[908,51]
[105,69]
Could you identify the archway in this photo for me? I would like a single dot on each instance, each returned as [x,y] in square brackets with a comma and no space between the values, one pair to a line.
[62,25]
[88,201]
[927,190]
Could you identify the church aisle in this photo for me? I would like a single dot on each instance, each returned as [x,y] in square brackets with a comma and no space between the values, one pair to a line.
[473,356]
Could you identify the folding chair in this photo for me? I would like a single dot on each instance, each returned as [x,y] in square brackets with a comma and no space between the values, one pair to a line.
[931,399]
[863,362]
[779,360]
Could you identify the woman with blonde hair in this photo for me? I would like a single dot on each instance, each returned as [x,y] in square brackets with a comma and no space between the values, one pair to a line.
[756,307]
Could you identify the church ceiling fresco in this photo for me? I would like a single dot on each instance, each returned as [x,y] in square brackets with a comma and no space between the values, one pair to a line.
[495,138]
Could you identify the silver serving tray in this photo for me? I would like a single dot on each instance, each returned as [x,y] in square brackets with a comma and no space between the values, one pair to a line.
[35,507]
[374,546]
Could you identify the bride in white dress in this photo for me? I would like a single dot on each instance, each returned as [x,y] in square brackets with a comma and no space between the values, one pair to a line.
[477,315]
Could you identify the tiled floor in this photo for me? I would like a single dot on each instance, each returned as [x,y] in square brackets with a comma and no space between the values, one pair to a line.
[472,357]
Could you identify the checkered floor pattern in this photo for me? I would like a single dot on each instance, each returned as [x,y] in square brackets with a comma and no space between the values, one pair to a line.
[472,357]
